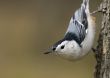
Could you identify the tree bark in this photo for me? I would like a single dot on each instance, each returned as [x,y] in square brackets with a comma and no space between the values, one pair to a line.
[102,51]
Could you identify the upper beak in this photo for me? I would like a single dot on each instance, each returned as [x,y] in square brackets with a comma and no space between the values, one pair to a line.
[48,52]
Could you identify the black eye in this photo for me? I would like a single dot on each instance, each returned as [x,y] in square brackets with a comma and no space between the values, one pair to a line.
[54,49]
[62,47]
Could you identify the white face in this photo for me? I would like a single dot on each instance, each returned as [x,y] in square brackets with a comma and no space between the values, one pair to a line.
[68,49]
[61,48]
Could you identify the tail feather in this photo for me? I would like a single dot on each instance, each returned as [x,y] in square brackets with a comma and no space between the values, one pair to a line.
[85,5]
[81,14]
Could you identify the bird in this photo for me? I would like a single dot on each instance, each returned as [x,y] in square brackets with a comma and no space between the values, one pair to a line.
[79,37]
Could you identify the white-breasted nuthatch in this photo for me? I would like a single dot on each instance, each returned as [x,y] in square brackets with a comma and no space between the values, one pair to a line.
[79,37]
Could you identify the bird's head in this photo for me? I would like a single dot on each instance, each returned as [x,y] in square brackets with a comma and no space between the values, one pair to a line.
[65,48]
[59,46]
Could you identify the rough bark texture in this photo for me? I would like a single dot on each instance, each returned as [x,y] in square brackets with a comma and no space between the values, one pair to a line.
[103,47]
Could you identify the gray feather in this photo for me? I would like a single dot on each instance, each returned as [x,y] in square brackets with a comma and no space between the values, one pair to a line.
[79,24]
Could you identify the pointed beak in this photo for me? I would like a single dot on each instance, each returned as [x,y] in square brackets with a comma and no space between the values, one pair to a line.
[48,52]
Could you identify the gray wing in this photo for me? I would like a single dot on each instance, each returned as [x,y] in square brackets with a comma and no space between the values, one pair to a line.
[78,24]
[77,29]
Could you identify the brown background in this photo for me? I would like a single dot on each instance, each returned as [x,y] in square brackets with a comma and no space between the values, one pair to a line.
[28,28]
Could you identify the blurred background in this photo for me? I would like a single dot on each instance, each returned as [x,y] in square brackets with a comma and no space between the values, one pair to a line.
[28,28]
